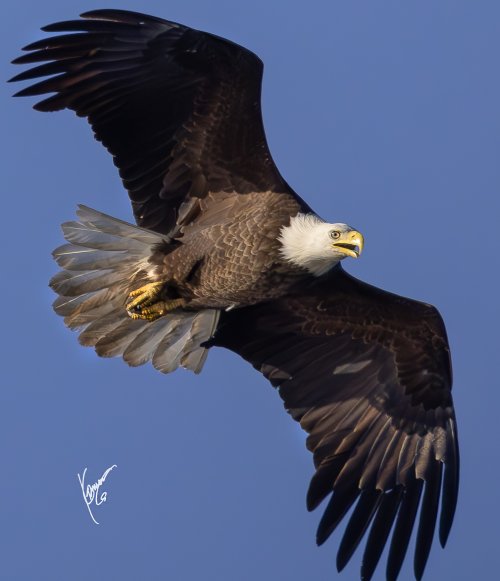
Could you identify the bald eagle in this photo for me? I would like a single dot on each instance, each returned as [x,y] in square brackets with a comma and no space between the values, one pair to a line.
[226,254]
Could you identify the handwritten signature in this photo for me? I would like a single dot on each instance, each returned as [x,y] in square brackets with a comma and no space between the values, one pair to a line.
[91,491]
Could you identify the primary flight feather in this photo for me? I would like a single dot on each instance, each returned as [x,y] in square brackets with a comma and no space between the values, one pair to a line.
[226,254]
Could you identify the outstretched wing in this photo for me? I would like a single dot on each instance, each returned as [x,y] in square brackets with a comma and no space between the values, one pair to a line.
[367,374]
[178,109]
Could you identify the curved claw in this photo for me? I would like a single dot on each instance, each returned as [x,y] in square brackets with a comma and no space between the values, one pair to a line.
[156,310]
[144,296]
[150,313]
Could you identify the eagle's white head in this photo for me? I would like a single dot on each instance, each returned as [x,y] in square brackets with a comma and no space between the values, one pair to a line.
[317,246]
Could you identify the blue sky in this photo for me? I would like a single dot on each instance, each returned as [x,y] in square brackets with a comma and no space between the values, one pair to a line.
[384,115]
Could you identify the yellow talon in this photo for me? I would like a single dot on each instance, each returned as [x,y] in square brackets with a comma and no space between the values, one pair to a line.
[144,296]
[143,307]
[149,313]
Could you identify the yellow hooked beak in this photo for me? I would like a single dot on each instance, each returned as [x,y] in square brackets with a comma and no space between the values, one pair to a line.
[350,243]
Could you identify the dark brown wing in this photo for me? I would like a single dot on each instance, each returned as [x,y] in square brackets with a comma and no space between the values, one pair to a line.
[367,374]
[178,109]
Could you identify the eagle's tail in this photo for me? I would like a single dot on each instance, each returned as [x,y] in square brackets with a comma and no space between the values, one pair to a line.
[104,257]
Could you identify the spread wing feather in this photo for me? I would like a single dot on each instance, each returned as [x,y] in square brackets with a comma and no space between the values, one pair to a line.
[178,109]
[367,374]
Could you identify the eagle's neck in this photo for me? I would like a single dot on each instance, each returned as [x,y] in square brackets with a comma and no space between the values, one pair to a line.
[303,244]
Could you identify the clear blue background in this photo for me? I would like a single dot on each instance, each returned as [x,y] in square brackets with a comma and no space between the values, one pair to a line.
[381,114]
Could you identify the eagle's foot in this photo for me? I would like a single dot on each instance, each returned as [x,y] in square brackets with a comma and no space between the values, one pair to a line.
[144,296]
[154,311]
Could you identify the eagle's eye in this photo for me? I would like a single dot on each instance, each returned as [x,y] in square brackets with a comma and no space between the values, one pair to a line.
[334,234]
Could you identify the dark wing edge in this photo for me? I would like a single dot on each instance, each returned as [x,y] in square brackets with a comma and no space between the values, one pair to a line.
[368,375]
[178,109]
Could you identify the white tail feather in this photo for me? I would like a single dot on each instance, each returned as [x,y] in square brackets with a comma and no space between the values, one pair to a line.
[103,257]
